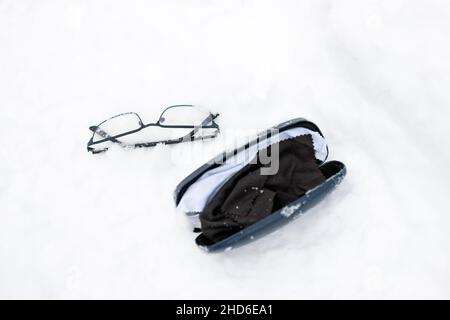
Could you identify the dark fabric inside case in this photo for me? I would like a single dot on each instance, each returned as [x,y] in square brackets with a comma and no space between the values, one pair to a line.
[249,196]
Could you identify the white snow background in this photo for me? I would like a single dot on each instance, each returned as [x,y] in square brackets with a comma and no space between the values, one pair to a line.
[374,75]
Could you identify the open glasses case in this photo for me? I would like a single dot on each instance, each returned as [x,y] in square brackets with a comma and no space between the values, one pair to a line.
[226,178]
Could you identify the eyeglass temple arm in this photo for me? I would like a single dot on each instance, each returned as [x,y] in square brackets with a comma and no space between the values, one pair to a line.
[189,137]
[105,135]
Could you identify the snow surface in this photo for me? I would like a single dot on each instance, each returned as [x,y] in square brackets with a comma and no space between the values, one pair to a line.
[374,75]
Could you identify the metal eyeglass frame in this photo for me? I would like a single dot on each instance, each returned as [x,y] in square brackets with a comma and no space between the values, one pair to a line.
[208,123]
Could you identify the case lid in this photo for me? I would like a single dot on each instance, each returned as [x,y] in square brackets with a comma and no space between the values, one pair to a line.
[285,130]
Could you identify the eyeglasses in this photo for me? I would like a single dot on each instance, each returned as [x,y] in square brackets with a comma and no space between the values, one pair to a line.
[188,123]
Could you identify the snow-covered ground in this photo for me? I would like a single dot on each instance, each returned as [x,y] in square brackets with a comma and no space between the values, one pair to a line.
[375,76]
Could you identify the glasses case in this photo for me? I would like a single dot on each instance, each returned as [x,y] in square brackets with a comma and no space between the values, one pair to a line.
[198,190]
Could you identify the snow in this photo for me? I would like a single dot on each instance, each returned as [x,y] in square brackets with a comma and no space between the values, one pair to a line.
[374,75]
[290,210]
